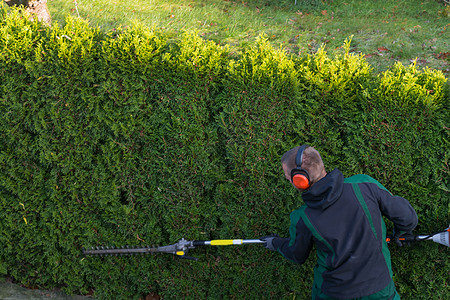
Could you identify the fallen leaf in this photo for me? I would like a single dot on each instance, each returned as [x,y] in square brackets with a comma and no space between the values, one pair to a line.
[137,236]
[442,55]
[324,12]
[383,49]
[152,296]
[373,54]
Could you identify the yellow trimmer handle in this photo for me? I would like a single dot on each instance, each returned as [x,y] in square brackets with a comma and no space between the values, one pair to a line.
[226,242]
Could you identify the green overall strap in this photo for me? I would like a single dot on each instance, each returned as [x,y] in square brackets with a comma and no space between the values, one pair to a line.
[354,181]
[314,231]
[363,203]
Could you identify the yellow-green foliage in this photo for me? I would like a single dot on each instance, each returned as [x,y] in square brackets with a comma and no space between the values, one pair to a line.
[341,77]
[131,138]
[264,65]
[406,85]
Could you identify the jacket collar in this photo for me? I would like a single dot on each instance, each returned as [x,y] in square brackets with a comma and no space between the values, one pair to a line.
[326,191]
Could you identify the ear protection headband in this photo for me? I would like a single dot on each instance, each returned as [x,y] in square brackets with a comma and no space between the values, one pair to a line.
[299,176]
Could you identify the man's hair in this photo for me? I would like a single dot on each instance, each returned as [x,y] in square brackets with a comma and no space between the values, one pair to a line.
[311,162]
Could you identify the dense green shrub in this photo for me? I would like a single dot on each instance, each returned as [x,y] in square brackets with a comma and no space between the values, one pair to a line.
[129,138]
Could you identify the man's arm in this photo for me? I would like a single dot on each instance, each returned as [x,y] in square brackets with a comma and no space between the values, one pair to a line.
[297,247]
[399,211]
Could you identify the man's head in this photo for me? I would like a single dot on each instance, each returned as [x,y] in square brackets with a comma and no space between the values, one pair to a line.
[311,162]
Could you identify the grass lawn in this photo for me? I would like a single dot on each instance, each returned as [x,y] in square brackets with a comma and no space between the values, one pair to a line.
[383,30]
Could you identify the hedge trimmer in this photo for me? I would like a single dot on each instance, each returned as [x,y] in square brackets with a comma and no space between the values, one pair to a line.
[441,237]
[181,248]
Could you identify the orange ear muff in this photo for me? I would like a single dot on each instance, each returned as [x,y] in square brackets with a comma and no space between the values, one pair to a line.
[299,176]
[300,181]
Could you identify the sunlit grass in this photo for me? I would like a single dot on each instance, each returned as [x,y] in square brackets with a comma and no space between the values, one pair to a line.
[385,31]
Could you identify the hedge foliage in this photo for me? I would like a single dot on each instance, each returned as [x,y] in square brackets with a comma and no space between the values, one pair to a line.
[129,138]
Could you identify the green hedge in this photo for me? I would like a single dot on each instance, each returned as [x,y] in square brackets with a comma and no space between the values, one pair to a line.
[129,138]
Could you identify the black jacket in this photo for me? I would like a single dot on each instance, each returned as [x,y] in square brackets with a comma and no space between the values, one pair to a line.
[343,217]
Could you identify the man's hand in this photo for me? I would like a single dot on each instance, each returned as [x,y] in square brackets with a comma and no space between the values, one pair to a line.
[269,241]
[402,238]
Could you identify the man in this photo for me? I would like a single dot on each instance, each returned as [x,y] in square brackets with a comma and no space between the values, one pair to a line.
[343,218]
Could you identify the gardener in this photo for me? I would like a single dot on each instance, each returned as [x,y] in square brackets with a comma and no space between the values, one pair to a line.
[343,218]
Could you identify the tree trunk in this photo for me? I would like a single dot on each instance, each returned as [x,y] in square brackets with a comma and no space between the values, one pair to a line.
[36,8]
